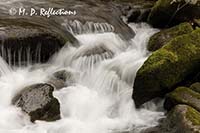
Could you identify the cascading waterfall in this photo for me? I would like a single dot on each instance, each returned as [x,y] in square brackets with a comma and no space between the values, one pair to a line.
[4,68]
[24,56]
[99,101]
[76,27]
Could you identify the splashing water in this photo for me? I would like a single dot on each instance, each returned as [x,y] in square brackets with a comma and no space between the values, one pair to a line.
[99,101]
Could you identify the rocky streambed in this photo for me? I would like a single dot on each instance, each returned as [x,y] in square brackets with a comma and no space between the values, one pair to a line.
[98,71]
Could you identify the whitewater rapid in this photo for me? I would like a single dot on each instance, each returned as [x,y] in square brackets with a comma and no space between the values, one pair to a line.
[99,100]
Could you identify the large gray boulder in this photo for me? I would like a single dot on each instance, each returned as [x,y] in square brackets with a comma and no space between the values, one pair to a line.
[38,102]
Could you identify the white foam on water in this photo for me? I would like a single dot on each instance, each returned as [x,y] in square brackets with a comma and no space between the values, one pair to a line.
[100,100]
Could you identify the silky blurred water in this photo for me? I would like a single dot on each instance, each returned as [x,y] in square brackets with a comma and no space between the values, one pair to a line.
[104,68]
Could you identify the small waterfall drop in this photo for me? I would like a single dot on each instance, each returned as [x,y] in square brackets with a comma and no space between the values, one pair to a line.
[77,27]
[104,67]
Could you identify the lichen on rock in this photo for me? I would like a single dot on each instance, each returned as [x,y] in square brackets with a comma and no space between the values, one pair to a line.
[164,36]
[182,95]
[167,67]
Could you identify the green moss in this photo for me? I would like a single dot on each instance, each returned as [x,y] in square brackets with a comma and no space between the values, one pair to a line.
[161,38]
[177,52]
[179,95]
[193,116]
[195,87]
[168,66]
[167,63]
[184,95]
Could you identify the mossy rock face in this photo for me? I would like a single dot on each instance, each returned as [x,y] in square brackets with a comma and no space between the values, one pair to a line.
[195,87]
[182,95]
[167,67]
[185,119]
[161,38]
[162,13]
[181,119]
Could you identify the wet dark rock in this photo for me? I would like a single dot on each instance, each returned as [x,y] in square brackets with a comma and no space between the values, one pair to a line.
[63,75]
[62,79]
[190,80]
[133,15]
[95,50]
[197,22]
[144,15]
[23,41]
[135,11]
[138,15]
[181,119]
[164,13]
[167,67]
[38,102]
[57,83]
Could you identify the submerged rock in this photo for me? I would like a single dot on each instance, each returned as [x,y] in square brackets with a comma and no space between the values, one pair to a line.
[62,79]
[38,102]
[177,61]
[96,50]
[164,36]
[182,119]
[23,41]
[165,13]
[135,11]
[182,95]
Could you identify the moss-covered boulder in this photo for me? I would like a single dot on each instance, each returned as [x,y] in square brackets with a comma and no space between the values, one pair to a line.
[182,95]
[181,119]
[175,62]
[195,87]
[164,13]
[161,38]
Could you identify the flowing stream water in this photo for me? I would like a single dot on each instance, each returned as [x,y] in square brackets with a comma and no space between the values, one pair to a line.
[99,99]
